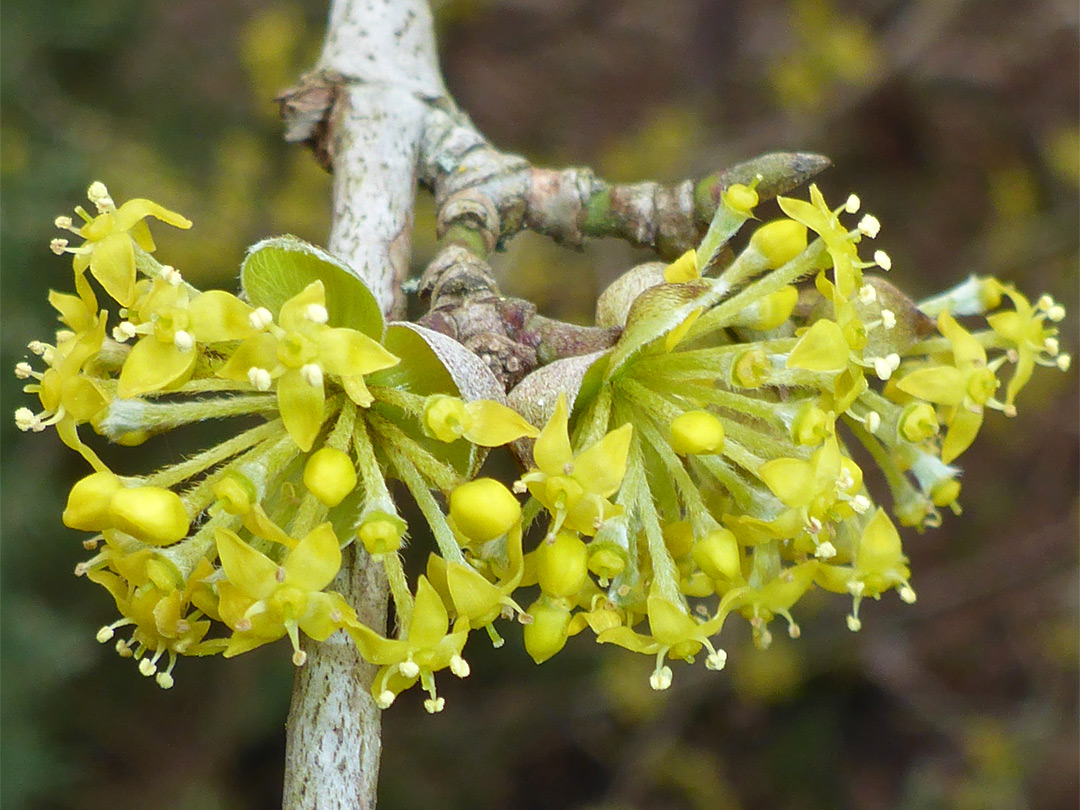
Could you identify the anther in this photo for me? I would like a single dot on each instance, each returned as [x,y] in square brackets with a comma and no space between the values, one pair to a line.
[171,276]
[882,260]
[63,223]
[57,246]
[260,318]
[851,205]
[869,226]
[888,318]
[316,313]
[23,370]
[260,378]
[312,374]
[183,341]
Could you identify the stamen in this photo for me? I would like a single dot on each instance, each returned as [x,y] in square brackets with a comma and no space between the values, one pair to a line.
[888,318]
[459,666]
[171,276]
[882,260]
[123,331]
[260,318]
[434,705]
[260,378]
[58,246]
[867,294]
[63,223]
[825,551]
[23,371]
[385,699]
[183,341]
[312,374]
[852,204]
[316,313]
[1064,361]
[869,226]
[409,669]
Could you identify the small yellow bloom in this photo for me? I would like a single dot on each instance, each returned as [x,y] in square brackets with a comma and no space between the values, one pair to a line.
[296,355]
[576,489]
[111,237]
[482,421]
[262,600]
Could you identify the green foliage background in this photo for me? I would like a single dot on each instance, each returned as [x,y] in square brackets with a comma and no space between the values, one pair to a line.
[957,125]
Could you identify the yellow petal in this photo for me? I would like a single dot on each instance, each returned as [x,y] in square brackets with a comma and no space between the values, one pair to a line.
[135,210]
[944,385]
[294,310]
[346,352]
[216,316]
[791,480]
[251,571]
[430,620]
[552,448]
[152,366]
[112,263]
[601,468]
[259,351]
[493,424]
[301,406]
[962,431]
[315,561]
[821,348]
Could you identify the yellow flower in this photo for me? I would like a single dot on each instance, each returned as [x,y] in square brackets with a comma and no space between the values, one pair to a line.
[159,612]
[675,633]
[111,236]
[1025,328]
[576,489]
[297,354]
[173,320]
[428,646]
[482,421]
[68,396]
[262,600]
[964,387]
[818,217]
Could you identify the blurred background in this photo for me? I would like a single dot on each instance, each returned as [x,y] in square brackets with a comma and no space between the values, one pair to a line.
[957,124]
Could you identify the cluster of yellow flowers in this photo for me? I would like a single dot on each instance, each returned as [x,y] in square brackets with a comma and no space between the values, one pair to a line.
[700,473]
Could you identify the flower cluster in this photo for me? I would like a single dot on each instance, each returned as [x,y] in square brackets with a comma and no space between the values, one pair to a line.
[239,544]
[698,469]
[713,475]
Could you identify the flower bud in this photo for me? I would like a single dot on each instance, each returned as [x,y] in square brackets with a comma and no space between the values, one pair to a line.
[696,433]
[562,565]
[751,369]
[329,475]
[445,418]
[606,560]
[740,198]
[545,635]
[154,515]
[88,502]
[945,492]
[918,422]
[236,493]
[679,538]
[483,509]
[811,425]
[779,241]
[717,554]
[381,533]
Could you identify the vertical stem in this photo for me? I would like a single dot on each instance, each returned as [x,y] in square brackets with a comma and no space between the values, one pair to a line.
[384,53]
